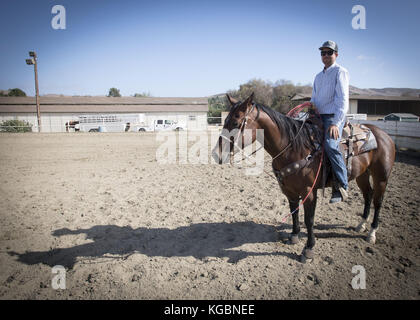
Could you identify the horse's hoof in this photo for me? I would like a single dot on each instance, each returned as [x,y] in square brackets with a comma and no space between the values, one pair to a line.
[294,239]
[307,255]
[361,226]
[371,239]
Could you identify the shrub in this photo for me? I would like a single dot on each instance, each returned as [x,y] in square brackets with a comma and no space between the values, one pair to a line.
[15,126]
[16,92]
[114,92]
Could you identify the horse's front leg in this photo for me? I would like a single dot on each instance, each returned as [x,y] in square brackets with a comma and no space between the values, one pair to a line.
[309,205]
[294,210]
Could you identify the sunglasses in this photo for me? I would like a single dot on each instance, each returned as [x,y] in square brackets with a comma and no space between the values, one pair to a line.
[329,52]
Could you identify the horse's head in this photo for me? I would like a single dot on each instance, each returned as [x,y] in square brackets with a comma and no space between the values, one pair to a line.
[235,133]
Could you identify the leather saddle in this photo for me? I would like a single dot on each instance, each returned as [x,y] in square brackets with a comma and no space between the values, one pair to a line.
[356,139]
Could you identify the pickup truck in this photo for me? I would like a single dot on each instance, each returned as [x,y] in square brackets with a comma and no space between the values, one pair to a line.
[161,125]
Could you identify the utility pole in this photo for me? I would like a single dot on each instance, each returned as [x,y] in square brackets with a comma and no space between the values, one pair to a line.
[34,62]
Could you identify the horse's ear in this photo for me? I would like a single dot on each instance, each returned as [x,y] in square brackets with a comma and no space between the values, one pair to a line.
[231,100]
[249,100]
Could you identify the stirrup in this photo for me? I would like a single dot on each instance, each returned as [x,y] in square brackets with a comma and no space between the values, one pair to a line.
[343,192]
[339,195]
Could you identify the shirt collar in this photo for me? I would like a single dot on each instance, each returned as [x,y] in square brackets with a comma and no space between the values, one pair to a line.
[329,68]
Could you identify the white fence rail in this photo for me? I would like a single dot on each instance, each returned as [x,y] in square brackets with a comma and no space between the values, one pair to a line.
[404,134]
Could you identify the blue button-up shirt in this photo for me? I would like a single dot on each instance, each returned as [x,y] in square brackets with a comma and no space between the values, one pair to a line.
[330,93]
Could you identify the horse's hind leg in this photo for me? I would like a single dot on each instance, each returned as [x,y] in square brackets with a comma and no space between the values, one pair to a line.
[380,169]
[364,185]
[379,187]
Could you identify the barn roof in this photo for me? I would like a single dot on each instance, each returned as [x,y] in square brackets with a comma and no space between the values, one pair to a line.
[403,115]
[102,104]
[390,98]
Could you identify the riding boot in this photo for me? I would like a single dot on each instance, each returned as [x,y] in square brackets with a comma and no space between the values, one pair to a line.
[339,193]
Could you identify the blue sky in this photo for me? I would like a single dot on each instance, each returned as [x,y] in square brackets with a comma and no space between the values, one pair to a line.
[199,48]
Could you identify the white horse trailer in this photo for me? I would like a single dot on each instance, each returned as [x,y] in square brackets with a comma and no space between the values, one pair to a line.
[124,123]
[110,122]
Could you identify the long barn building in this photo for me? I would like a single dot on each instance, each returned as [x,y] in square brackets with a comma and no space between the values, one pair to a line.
[376,106]
[56,112]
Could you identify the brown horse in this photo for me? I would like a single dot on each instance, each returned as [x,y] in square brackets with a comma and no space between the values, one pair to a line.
[288,141]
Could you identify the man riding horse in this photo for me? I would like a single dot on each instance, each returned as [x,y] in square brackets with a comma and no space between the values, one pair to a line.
[330,95]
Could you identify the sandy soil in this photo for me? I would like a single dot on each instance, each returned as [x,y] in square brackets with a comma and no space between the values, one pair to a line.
[126,227]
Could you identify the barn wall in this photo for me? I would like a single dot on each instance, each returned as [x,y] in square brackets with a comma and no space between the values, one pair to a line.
[384,107]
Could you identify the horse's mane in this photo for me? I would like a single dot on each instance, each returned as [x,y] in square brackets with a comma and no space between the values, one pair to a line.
[289,127]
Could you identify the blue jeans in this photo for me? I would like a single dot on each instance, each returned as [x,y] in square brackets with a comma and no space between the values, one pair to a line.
[332,150]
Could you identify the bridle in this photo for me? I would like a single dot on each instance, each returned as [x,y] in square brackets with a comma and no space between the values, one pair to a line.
[247,117]
[241,128]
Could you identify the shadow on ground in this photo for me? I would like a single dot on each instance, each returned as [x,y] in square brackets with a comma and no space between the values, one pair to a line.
[198,240]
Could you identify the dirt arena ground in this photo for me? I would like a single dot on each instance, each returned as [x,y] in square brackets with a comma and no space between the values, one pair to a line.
[127,227]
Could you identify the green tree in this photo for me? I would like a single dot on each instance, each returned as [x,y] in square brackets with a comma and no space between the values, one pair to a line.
[217,104]
[15,126]
[114,92]
[277,96]
[143,94]
[16,92]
